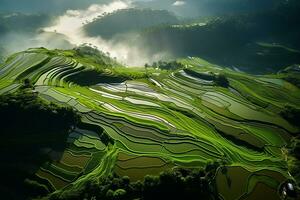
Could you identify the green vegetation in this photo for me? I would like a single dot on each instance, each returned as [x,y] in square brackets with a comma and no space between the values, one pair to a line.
[92,55]
[255,42]
[163,65]
[218,79]
[91,117]
[294,158]
[29,124]
[92,77]
[178,183]
[291,74]
[212,115]
[292,80]
[15,108]
[291,114]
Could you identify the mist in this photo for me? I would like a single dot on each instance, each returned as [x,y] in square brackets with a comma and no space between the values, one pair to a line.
[54,7]
[15,42]
[66,32]
[129,53]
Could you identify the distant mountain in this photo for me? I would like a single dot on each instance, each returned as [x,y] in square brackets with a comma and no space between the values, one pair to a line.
[266,39]
[20,22]
[194,8]
[19,31]
[128,20]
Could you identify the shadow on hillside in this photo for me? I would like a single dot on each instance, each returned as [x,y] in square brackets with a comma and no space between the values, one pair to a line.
[92,77]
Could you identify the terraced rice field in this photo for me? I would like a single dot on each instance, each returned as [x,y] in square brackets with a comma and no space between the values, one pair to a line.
[237,182]
[170,119]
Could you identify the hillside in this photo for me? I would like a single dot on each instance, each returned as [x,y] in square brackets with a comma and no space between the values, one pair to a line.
[127,21]
[257,42]
[30,128]
[232,128]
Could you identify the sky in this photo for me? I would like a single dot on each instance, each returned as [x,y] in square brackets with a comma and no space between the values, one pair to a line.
[56,7]
[184,8]
[45,6]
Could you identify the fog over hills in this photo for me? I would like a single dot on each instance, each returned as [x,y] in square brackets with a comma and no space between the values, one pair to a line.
[128,35]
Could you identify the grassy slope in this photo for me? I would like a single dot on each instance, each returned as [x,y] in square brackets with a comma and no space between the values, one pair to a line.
[162,119]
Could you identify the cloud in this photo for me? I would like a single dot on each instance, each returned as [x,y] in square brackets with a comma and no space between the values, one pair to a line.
[179,3]
[72,21]
[71,25]
[15,42]
[67,31]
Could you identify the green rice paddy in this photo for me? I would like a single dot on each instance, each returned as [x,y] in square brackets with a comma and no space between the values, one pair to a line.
[166,120]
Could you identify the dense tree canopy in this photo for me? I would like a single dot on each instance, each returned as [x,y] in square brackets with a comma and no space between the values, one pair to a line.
[28,125]
[178,183]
